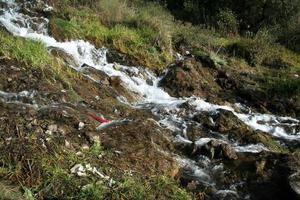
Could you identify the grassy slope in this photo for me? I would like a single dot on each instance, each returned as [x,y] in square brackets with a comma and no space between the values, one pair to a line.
[132,32]
[148,33]
[38,170]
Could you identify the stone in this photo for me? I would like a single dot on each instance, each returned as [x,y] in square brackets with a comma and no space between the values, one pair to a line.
[294,181]
[115,81]
[79,169]
[188,77]
[216,149]
[81,125]
[67,58]
[52,128]
[149,81]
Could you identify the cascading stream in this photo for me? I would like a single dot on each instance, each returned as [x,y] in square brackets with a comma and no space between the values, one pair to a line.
[85,53]
[150,96]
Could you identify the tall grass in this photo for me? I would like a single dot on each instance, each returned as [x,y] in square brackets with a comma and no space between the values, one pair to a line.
[26,51]
[141,31]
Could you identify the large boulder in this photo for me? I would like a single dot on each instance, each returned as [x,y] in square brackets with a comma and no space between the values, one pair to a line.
[216,149]
[187,78]
[294,181]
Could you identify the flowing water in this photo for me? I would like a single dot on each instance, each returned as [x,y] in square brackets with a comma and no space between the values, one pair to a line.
[167,108]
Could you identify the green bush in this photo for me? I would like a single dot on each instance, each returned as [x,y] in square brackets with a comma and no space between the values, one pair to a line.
[246,49]
[284,86]
[290,35]
[227,22]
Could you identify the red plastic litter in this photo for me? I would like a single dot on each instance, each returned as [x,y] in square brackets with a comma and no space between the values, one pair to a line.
[99,119]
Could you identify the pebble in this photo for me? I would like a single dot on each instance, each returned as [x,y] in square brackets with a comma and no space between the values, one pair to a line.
[67,144]
[52,128]
[81,125]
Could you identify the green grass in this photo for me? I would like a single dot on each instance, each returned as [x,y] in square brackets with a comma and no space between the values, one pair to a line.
[25,51]
[158,187]
[284,86]
[93,192]
[34,56]
[138,36]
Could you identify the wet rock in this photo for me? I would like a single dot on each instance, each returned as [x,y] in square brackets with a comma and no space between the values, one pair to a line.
[3,5]
[266,175]
[68,59]
[149,81]
[226,121]
[205,119]
[294,181]
[113,56]
[232,128]
[216,149]
[37,7]
[94,74]
[226,195]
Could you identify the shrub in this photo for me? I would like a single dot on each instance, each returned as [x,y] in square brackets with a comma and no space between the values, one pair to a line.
[290,35]
[227,22]
[284,86]
[246,49]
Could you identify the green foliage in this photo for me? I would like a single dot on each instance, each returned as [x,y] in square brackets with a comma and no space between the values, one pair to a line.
[227,22]
[284,86]
[10,193]
[158,187]
[129,188]
[28,194]
[253,15]
[290,35]
[148,33]
[167,186]
[92,192]
[95,149]
[246,49]
[34,55]
[115,11]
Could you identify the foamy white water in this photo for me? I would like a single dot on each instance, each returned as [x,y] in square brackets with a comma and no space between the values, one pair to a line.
[85,53]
